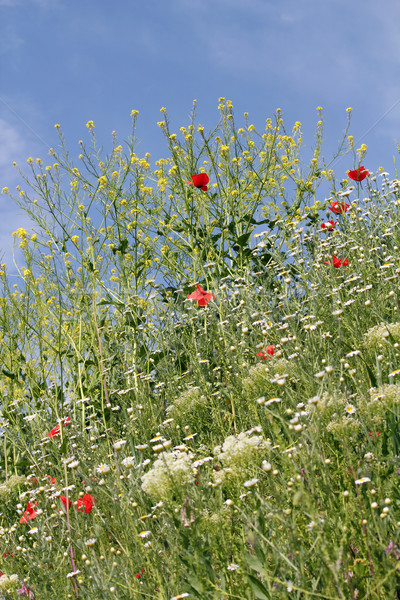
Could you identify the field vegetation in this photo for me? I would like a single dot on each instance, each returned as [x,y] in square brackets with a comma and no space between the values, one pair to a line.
[200,371]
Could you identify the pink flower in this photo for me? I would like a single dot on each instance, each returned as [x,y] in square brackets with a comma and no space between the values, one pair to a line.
[358,174]
[201,296]
[200,181]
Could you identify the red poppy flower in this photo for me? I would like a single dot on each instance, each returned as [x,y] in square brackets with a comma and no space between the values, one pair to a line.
[329,225]
[271,350]
[358,174]
[64,501]
[261,355]
[339,207]
[201,296]
[371,433]
[338,262]
[200,181]
[29,513]
[85,504]
[138,575]
[56,431]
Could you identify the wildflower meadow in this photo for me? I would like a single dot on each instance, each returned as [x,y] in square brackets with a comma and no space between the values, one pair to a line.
[199,370]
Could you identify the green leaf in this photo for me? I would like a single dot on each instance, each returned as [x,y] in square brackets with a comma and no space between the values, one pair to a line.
[118,305]
[371,376]
[258,589]
[232,227]
[64,446]
[255,563]
[8,373]
[89,265]
[122,247]
[243,239]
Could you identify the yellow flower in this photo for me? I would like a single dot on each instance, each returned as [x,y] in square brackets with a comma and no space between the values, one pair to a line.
[21,233]
[4,190]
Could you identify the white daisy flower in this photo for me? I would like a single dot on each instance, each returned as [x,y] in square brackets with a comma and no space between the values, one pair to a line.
[73,573]
[251,482]
[118,445]
[362,480]
[144,534]
[90,542]
[33,530]
[103,469]
[73,464]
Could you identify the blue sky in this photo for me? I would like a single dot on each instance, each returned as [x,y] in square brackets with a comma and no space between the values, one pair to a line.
[68,61]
